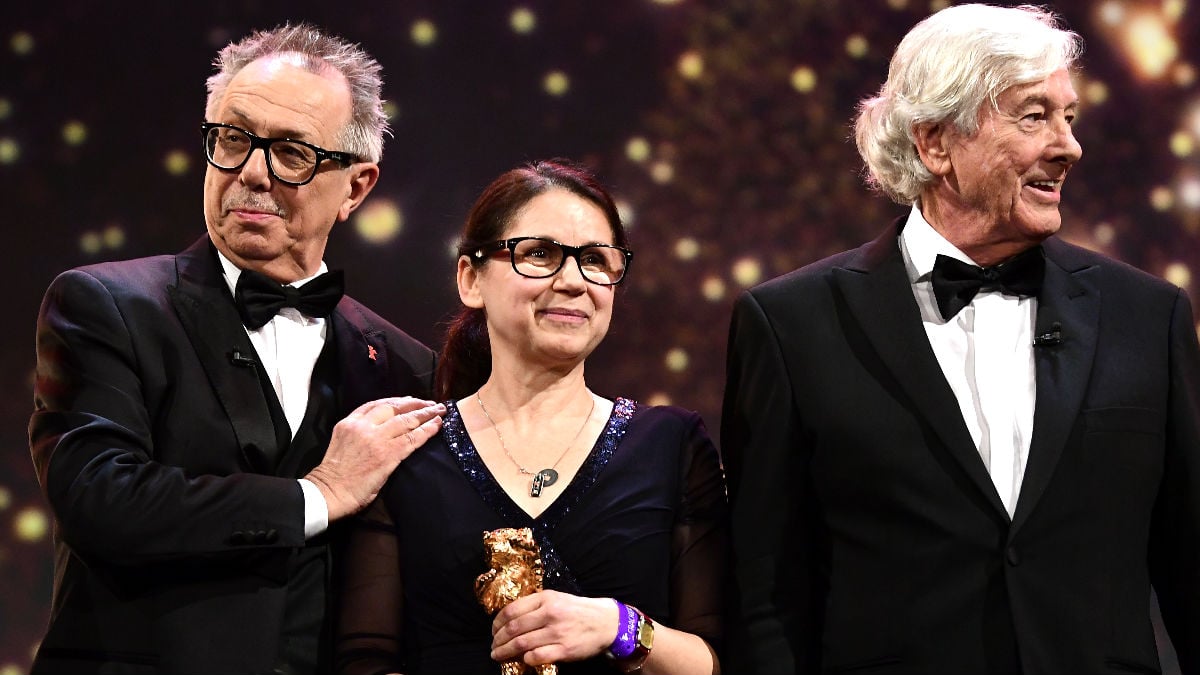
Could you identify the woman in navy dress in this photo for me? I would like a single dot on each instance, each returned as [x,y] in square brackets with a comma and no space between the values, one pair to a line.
[627,502]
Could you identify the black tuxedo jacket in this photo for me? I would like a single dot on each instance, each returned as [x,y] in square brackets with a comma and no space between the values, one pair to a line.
[868,536]
[155,449]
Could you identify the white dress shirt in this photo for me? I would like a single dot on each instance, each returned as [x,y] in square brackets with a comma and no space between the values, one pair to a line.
[288,347]
[986,354]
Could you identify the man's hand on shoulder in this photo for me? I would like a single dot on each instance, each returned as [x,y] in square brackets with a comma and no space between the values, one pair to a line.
[368,445]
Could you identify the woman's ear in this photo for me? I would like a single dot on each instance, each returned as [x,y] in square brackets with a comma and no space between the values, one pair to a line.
[468,283]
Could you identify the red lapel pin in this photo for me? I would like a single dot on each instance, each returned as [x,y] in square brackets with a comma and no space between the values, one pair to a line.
[371,353]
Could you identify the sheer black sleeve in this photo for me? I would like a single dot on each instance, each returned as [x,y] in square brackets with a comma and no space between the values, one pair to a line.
[369,613]
[700,541]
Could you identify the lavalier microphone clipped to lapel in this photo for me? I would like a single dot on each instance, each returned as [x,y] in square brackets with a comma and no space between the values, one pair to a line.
[1050,338]
[237,358]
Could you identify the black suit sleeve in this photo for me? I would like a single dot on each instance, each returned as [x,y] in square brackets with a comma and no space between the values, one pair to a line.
[773,628]
[92,440]
[1175,540]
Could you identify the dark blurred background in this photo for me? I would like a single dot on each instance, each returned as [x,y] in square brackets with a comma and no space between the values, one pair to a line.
[722,125]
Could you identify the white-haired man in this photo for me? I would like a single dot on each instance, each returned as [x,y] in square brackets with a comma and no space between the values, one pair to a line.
[965,447]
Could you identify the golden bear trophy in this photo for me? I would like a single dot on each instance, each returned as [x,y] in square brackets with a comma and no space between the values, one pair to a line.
[516,571]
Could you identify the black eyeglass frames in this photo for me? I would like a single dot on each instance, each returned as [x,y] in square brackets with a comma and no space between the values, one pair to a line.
[538,258]
[289,161]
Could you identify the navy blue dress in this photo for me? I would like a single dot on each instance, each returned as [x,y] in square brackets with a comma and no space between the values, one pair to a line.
[644,521]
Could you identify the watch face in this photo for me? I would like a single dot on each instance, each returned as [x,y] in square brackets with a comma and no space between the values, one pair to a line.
[645,642]
[645,636]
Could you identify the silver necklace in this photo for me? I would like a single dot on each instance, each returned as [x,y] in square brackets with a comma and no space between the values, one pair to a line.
[548,476]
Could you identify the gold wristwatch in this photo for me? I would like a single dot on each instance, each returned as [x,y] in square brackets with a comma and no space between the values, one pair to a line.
[645,642]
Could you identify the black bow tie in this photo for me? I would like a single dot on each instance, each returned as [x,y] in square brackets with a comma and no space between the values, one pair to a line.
[259,297]
[955,283]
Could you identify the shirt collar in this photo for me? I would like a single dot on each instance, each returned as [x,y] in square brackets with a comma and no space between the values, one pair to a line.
[233,273]
[920,245]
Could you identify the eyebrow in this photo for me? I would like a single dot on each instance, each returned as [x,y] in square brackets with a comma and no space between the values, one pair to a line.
[246,120]
[1044,101]
[583,245]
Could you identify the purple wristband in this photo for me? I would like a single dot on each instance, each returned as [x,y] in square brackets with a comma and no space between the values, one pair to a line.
[625,643]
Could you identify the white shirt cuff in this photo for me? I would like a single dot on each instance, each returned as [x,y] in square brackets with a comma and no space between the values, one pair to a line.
[316,511]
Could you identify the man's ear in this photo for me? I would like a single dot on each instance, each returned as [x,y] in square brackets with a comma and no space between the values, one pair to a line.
[933,146]
[468,283]
[362,181]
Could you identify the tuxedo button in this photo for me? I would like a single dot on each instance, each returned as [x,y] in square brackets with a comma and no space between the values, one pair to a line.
[1012,556]
[264,536]
[239,538]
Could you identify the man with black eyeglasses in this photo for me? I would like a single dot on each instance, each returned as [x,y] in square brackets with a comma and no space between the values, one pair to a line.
[203,420]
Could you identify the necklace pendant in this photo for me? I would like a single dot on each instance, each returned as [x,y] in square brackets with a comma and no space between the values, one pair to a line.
[542,479]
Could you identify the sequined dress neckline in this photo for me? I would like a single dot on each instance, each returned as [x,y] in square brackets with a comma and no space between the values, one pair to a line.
[557,576]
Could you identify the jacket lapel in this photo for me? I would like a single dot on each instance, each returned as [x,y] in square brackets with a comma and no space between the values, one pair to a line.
[879,296]
[1069,299]
[205,309]
[362,356]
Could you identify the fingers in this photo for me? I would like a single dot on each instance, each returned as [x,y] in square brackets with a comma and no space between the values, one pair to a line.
[520,645]
[515,609]
[534,648]
[403,404]
[512,625]
[392,405]
[417,425]
[416,437]
[402,418]
[419,416]
[551,626]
